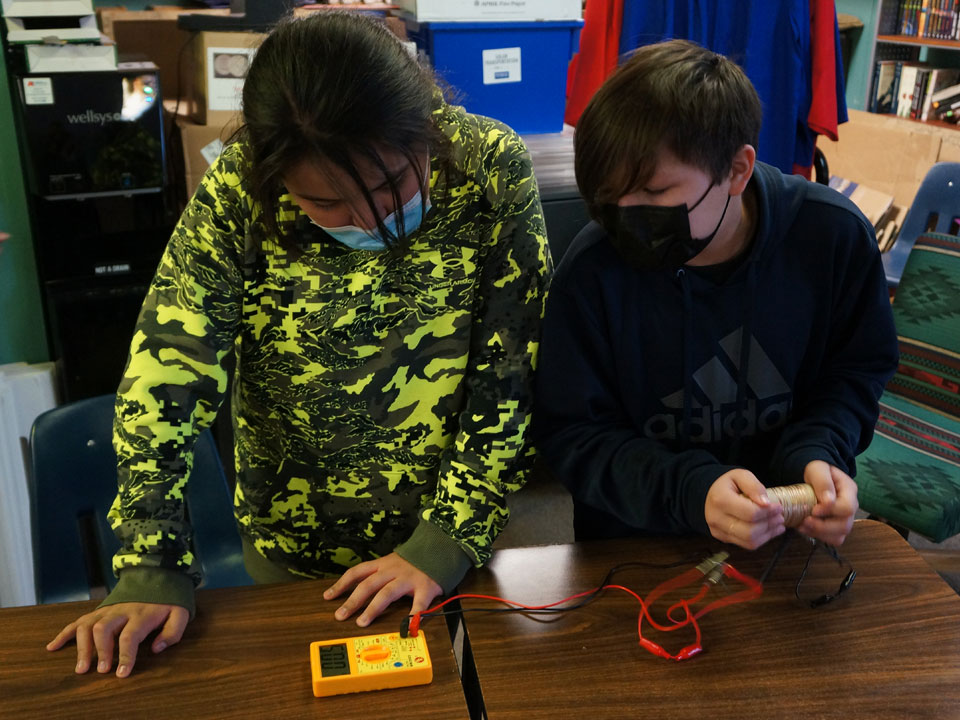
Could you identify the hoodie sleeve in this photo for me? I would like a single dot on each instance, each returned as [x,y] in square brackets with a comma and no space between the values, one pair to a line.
[172,387]
[583,432]
[833,419]
[492,453]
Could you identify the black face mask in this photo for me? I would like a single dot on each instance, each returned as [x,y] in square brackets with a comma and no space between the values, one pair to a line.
[650,237]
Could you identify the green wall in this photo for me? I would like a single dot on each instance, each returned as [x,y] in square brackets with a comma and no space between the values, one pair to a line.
[859,73]
[22,334]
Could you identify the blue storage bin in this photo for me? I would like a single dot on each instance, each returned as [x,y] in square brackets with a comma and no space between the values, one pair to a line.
[515,72]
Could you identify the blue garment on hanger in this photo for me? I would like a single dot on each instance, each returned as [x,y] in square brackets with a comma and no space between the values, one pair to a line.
[769,40]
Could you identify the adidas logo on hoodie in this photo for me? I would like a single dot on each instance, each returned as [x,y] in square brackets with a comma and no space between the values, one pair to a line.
[767,407]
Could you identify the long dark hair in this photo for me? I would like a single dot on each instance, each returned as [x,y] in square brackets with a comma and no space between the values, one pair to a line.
[335,87]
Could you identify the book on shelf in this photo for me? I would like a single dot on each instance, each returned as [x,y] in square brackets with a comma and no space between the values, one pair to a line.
[948,112]
[883,99]
[939,79]
[936,20]
[946,93]
[919,88]
[914,90]
[945,104]
[888,23]
[939,25]
[931,19]
[905,89]
[909,16]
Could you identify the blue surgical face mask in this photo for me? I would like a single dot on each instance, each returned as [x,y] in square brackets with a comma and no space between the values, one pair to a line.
[359,239]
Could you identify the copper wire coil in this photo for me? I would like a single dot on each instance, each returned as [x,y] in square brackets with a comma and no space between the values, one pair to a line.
[797,502]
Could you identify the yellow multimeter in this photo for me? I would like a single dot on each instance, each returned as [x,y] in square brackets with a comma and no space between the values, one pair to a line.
[370,662]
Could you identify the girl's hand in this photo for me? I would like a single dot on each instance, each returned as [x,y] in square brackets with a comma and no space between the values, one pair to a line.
[132,622]
[385,580]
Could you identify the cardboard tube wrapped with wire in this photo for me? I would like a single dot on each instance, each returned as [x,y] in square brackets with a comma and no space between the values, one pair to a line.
[797,502]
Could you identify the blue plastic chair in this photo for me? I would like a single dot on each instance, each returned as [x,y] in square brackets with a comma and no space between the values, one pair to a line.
[936,208]
[74,478]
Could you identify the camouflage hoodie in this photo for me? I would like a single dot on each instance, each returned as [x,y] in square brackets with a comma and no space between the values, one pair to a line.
[381,401]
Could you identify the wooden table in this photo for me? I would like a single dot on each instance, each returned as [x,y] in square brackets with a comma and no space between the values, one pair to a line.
[889,648]
[245,655]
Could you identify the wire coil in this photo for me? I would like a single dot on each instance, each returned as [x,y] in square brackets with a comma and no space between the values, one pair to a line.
[797,502]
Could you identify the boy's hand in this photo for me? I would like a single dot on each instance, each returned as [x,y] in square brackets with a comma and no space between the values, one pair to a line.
[836,505]
[386,579]
[738,510]
[132,621]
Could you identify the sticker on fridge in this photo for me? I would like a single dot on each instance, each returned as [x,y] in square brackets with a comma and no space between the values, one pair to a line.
[37,91]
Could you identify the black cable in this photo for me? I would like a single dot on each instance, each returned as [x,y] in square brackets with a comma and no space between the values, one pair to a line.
[844,584]
[785,541]
[777,554]
[584,601]
[171,164]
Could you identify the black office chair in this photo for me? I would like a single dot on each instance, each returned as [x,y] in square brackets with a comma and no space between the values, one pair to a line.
[821,170]
[74,478]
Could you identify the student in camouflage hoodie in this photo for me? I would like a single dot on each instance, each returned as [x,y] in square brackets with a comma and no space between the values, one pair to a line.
[376,260]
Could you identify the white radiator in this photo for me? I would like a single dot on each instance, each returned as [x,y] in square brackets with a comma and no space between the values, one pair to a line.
[25,392]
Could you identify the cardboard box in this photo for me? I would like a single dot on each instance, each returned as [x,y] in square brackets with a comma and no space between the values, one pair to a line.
[492,10]
[154,35]
[950,147]
[887,153]
[220,66]
[201,146]
[110,17]
[398,27]
[221,60]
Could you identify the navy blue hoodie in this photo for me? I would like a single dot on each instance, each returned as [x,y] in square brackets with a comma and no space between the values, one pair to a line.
[641,373]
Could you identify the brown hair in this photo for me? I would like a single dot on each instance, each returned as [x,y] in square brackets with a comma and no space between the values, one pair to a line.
[675,94]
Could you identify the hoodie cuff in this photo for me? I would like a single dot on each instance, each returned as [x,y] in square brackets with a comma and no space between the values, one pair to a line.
[437,554]
[797,460]
[153,585]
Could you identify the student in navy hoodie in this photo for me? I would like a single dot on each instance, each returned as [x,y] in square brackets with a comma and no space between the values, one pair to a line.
[720,328]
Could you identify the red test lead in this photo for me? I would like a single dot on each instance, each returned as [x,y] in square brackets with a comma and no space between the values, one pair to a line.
[708,573]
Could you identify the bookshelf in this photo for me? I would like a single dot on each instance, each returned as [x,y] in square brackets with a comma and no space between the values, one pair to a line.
[922,42]
[914,37]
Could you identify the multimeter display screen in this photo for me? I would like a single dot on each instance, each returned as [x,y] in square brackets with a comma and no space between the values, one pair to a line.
[334,660]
